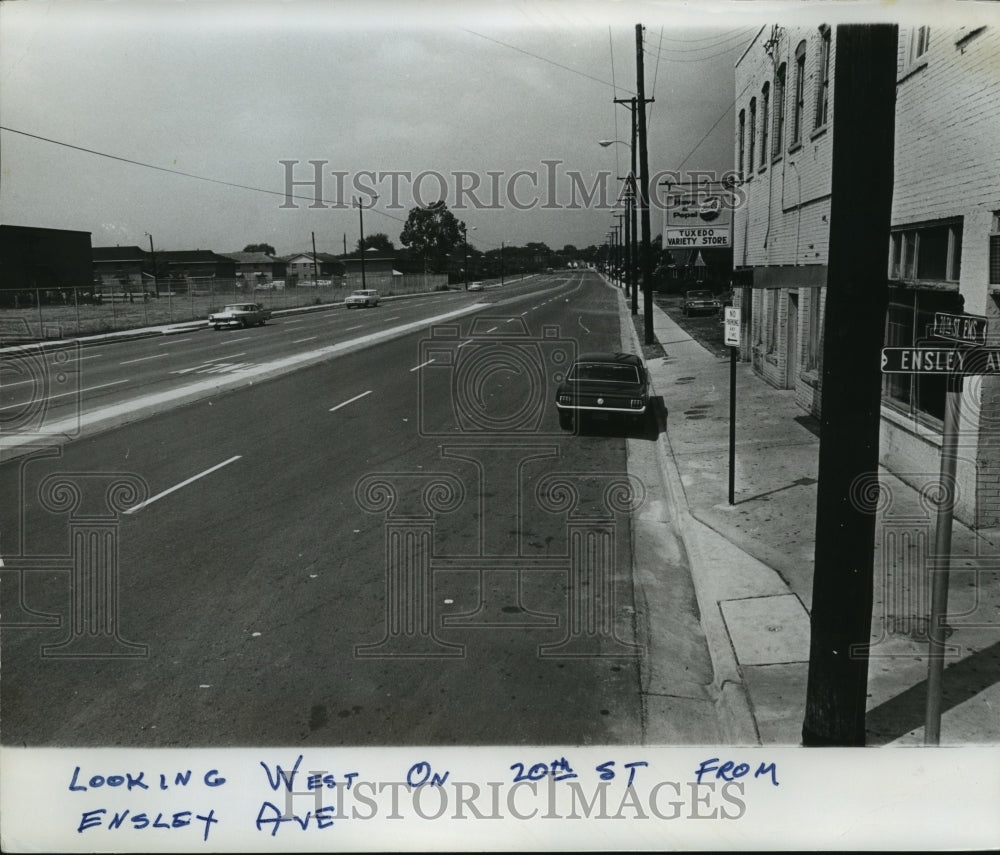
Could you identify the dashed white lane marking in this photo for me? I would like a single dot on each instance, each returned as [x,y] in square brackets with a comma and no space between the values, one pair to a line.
[232,341]
[493,330]
[300,340]
[176,487]
[207,364]
[359,326]
[173,341]
[65,394]
[144,358]
[351,400]
[464,343]
[421,365]
[393,318]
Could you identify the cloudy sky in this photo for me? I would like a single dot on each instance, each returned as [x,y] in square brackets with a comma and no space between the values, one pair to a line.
[104,105]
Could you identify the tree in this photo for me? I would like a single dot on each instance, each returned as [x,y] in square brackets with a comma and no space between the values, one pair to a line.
[260,247]
[431,233]
[379,241]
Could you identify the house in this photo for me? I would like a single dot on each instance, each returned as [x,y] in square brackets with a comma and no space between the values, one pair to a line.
[191,268]
[256,268]
[122,266]
[301,268]
[943,253]
[375,265]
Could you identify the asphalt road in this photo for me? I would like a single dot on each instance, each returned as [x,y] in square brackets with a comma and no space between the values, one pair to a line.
[376,548]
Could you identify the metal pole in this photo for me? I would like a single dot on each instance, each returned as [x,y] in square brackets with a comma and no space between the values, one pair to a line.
[465,254]
[647,260]
[361,245]
[942,561]
[634,272]
[732,425]
[501,263]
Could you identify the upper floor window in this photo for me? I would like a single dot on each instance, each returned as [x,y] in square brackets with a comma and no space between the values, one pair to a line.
[919,41]
[741,142]
[765,106]
[753,133]
[779,109]
[800,88]
[995,250]
[928,252]
[823,83]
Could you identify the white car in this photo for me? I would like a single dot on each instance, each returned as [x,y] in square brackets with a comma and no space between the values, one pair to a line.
[362,297]
[475,286]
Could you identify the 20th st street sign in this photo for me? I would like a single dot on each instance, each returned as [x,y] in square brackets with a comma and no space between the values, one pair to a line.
[956,361]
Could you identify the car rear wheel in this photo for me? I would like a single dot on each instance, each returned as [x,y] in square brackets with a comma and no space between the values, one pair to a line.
[565,420]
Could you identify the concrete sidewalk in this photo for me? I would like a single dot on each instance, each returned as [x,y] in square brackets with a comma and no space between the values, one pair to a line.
[752,564]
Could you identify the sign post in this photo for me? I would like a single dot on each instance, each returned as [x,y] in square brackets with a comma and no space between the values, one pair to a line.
[732,338]
[968,359]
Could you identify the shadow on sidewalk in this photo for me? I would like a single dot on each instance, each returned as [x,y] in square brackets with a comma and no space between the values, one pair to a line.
[907,711]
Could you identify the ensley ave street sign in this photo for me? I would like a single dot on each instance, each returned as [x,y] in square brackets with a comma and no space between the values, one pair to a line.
[941,360]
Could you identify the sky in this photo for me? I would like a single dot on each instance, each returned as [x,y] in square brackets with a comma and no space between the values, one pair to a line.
[185,121]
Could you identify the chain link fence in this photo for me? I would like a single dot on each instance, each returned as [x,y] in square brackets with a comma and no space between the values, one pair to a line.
[51,313]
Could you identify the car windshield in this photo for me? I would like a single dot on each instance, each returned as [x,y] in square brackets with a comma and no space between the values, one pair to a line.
[604,372]
[699,295]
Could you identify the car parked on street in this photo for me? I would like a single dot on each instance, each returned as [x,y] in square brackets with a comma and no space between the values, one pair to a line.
[696,302]
[603,385]
[362,297]
[240,315]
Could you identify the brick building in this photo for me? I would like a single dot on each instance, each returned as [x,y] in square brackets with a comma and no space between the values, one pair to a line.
[943,253]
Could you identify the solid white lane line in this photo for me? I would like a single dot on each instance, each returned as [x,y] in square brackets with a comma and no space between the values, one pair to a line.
[158,496]
[421,365]
[144,358]
[174,341]
[300,340]
[64,394]
[351,401]
[232,341]
[91,356]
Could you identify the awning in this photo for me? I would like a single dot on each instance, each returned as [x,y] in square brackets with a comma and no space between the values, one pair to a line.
[784,276]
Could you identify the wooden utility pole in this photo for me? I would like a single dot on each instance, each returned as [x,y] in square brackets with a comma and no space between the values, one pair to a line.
[863,109]
[646,252]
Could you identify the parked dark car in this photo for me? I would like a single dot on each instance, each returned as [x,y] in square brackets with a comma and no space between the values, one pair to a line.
[603,385]
[696,302]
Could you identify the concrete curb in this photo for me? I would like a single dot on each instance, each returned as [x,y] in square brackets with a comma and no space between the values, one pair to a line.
[732,702]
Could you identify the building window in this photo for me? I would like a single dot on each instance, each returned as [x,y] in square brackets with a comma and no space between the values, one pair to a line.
[772,319]
[823,84]
[765,99]
[753,134]
[779,110]
[743,123]
[929,252]
[995,250]
[815,342]
[908,322]
[920,39]
[800,90]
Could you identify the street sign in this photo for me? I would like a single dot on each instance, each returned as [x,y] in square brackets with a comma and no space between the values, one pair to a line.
[732,336]
[956,361]
[965,329]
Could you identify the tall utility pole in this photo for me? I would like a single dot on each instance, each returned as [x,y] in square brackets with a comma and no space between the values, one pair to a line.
[501,263]
[861,183]
[315,260]
[646,253]
[361,243]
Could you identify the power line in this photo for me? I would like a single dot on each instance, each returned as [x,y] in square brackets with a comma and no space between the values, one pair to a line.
[183,174]
[744,34]
[544,59]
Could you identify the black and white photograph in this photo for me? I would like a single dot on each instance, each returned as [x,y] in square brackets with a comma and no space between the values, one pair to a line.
[492,426]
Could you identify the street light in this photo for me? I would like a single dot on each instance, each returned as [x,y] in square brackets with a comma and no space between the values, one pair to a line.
[465,248]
